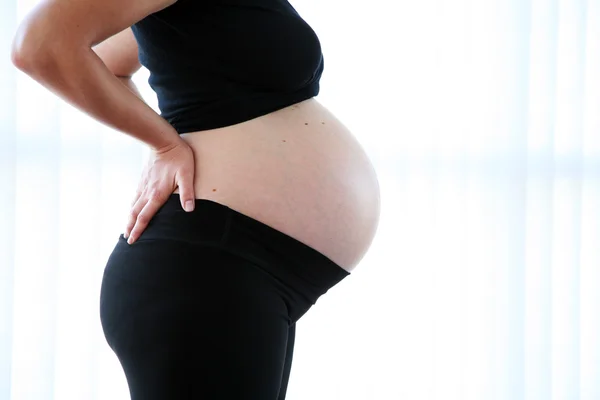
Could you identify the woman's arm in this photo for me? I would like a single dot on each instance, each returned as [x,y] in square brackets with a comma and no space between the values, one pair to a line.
[120,53]
[54,44]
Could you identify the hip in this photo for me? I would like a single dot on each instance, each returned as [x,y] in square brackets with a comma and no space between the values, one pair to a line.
[298,170]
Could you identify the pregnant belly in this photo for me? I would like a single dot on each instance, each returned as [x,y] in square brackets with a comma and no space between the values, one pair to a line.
[298,170]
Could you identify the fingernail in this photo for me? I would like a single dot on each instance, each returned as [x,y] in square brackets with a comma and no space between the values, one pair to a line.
[189,206]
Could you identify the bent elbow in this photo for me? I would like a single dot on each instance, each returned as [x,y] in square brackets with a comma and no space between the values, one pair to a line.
[20,60]
[26,52]
[17,52]
[29,61]
[34,45]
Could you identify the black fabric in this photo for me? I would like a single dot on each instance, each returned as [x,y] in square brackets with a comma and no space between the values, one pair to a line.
[215,63]
[204,305]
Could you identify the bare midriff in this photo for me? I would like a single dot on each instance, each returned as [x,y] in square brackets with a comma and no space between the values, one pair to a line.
[298,170]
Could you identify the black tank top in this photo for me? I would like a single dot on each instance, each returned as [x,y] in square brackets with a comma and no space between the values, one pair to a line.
[215,63]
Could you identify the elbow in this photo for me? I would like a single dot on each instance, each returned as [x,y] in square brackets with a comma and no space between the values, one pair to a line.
[41,36]
[18,55]
[21,52]
[29,56]
[35,46]
[21,60]
[35,64]
[26,54]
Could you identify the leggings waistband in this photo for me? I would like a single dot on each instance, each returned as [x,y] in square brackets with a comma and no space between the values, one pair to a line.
[215,224]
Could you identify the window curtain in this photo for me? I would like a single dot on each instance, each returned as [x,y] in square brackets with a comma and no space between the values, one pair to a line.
[483,282]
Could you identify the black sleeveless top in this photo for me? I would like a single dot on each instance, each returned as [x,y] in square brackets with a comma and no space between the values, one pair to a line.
[215,63]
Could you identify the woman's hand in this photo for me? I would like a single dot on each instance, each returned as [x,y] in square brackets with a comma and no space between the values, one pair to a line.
[168,168]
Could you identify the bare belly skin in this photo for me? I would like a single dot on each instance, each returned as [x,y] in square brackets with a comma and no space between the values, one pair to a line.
[298,170]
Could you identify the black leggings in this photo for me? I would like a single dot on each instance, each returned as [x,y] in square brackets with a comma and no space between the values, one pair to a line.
[204,305]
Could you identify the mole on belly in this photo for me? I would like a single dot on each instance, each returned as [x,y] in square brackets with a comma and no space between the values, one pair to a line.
[214,190]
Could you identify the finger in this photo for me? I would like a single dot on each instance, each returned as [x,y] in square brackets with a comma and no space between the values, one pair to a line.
[140,189]
[155,201]
[133,214]
[186,191]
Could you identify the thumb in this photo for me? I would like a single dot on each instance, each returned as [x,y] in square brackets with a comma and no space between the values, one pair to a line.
[186,193]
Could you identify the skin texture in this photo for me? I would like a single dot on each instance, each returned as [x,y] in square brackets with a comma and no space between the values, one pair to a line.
[54,45]
[120,53]
[299,170]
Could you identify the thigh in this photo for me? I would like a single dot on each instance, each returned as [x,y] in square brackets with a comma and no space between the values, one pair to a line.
[196,324]
[287,365]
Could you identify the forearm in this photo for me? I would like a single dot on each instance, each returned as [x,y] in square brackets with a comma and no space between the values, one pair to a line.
[80,77]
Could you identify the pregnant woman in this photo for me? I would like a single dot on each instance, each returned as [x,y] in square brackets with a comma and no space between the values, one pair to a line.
[255,200]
